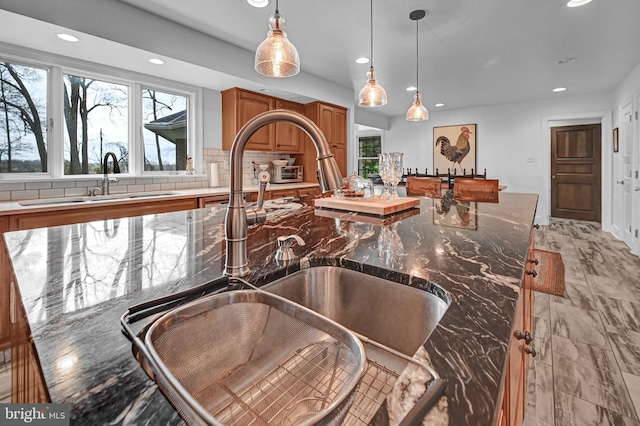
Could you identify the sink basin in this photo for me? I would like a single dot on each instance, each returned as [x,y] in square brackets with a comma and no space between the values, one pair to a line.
[395,315]
[65,200]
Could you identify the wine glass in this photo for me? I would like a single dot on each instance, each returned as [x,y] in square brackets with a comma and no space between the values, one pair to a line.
[384,169]
[395,161]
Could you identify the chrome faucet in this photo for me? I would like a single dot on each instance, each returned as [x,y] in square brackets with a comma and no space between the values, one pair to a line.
[105,176]
[237,217]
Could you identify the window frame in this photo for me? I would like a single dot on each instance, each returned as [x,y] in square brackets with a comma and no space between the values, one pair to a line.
[57,66]
[368,134]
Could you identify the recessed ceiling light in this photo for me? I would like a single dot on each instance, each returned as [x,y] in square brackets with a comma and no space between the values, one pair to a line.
[156,61]
[411,88]
[559,89]
[362,60]
[67,37]
[566,60]
[259,3]
[439,105]
[576,3]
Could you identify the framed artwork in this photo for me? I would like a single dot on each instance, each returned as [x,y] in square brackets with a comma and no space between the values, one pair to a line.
[615,140]
[454,148]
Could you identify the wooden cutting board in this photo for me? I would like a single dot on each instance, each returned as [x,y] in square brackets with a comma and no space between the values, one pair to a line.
[374,205]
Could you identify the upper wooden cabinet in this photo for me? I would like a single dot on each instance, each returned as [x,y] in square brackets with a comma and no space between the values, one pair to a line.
[289,137]
[239,106]
[332,121]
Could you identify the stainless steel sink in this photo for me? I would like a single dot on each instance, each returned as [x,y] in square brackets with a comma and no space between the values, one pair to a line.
[396,315]
[85,199]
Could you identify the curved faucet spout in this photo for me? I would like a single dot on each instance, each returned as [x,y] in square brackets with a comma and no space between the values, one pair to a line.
[105,176]
[329,177]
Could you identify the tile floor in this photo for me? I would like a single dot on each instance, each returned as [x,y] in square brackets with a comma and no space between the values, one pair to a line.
[587,371]
[5,376]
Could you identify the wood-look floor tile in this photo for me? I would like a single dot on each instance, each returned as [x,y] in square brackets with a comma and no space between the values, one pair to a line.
[626,348]
[542,339]
[540,392]
[595,260]
[576,293]
[611,288]
[572,411]
[633,385]
[618,315]
[577,324]
[541,304]
[589,372]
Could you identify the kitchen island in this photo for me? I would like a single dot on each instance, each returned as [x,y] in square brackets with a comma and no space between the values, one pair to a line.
[75,281]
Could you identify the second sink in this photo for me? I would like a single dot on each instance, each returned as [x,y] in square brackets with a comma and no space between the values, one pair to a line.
[396,315]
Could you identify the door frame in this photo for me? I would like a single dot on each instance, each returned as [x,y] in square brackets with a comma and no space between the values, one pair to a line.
[606,159]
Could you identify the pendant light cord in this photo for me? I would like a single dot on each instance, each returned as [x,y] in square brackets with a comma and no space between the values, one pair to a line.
[277,11]
[371,28]
[417,58]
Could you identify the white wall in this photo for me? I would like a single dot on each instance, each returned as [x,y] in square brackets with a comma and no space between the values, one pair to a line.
[507,135]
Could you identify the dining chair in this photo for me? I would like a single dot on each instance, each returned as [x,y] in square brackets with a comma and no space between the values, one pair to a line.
[476,189]
[423,186]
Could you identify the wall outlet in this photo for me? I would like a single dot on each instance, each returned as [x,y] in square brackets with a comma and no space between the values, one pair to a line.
[531,159]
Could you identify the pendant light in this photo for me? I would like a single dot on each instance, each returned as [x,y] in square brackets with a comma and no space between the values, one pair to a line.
[372,94]
[417,111]
[277,56]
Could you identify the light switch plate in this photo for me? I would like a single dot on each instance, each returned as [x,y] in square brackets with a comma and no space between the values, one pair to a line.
[531,159]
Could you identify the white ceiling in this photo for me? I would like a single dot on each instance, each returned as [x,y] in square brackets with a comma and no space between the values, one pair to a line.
[472,52]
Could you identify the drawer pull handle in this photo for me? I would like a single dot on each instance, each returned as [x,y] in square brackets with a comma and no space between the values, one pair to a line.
[531,352]
[532,272]
[535,225]
[526,336]
[534,261]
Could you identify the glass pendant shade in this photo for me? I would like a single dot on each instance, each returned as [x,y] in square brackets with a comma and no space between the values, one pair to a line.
[372,94]
[417,111]
[277,56]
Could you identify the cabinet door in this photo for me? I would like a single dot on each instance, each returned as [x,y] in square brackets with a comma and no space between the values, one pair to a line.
[516,377]
[309,193]
[289,137]
[340,155]
[340,127]
[325,121]
[249,105]
[280,193]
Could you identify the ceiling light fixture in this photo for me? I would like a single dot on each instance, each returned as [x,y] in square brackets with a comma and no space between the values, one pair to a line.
[566,61]
[362,60]
[372,94]
[559,89]
[417,111]
[439,105]
[258,3]
[277,56]
[67,37]
[156,61]
[576,3]
[411,88]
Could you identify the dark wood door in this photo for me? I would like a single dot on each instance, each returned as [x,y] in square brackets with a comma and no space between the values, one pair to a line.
[575,172]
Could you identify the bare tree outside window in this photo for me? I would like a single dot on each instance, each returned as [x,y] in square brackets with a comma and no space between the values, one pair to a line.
[96,122]
[23,116]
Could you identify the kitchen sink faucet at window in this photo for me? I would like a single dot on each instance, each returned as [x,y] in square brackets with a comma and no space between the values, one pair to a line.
[105,177]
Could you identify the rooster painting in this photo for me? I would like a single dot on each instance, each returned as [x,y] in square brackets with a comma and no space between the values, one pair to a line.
[455,153]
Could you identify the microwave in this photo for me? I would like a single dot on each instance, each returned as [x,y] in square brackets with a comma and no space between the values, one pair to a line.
[286,174]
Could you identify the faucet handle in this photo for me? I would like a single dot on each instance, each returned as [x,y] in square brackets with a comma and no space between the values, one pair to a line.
[285,252]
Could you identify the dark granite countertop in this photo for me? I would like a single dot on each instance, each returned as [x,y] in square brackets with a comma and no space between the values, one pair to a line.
[77,280]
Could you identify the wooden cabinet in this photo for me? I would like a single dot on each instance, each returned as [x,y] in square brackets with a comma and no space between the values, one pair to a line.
[332,121]
[5,276]
[238,107]
[272,193]
[289,137]
[520,350]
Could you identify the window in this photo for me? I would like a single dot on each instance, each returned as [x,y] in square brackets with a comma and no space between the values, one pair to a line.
[368,149]
[60,119]
[164,117]
[95,122]
[23,118]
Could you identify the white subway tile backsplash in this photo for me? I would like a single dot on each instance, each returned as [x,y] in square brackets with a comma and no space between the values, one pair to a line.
[167,186]
[63,184]
[24,195]
[135,188]
[5,195]
[152,187]
[13,186]
[182,185]
[51,193]
[37,185]
[74,192]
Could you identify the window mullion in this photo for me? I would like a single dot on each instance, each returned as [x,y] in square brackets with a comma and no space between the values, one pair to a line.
[55,123]
[136,142]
